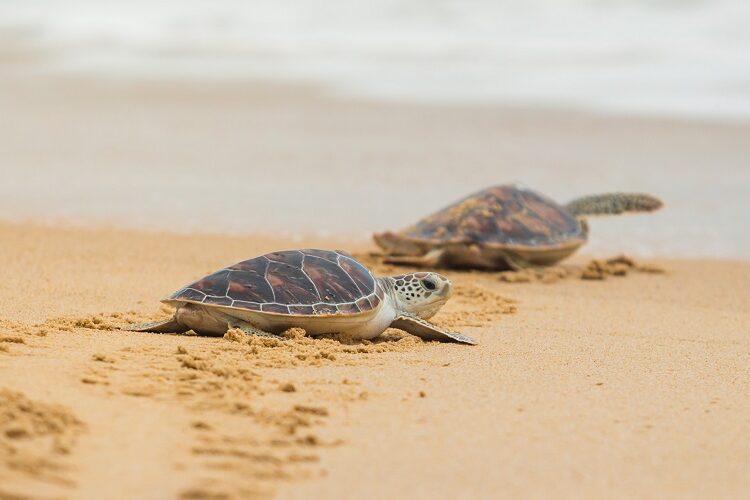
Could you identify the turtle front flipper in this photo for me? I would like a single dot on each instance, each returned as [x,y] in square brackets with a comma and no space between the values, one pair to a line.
[428,331]
[170,325]
[613,204]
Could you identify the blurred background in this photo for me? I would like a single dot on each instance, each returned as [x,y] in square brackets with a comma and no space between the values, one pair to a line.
[346,117]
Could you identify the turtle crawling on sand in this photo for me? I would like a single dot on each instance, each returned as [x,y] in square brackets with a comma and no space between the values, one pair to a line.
[505,227]
[321,291]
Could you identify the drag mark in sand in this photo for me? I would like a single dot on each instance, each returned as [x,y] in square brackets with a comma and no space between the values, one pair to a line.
[254,422]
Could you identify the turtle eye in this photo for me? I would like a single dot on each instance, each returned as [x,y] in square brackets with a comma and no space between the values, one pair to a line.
[429,284]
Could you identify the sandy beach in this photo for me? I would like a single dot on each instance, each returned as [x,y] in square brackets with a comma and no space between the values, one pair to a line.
[117,192]
[628,386]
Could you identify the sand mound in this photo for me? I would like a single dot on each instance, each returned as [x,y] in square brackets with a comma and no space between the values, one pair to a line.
[13,331]
[299,349]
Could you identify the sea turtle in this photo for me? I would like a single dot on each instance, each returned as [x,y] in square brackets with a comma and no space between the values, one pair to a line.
[505,227]
[321,291]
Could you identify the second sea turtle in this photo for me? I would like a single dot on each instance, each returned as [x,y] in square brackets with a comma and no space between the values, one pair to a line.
[505,227]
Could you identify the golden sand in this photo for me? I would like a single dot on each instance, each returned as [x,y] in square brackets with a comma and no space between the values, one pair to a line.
[635,385]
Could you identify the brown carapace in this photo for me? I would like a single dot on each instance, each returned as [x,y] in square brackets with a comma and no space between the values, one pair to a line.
[302,282]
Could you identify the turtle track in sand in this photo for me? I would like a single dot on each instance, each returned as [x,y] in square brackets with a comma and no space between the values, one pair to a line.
[253,423]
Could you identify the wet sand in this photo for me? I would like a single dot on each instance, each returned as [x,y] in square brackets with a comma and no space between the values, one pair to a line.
[252,158]
[628,386]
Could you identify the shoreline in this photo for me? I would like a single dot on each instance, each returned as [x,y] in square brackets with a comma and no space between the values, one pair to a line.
[322,91]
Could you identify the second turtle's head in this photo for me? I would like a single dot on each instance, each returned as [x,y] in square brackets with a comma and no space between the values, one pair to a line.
[421,294]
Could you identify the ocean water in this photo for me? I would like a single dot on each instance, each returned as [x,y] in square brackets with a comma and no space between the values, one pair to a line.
[653,57]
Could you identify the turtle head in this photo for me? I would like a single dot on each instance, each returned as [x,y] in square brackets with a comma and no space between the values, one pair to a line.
[420,294]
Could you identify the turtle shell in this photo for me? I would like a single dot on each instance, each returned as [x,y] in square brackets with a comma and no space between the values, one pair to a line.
[293,282]
[507,216]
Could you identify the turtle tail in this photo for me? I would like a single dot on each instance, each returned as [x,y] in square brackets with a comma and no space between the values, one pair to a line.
[613,204]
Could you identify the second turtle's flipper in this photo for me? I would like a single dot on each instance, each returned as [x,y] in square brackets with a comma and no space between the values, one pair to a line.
[395,243]
[430,259]
[170,325]
[427,331]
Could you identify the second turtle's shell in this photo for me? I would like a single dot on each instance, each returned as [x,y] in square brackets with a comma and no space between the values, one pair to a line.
[503,216]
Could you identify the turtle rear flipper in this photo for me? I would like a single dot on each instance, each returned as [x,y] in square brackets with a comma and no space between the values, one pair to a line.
[613,204]
[432,258]
[395,244]
[428,331]
[170,325]
[249,329]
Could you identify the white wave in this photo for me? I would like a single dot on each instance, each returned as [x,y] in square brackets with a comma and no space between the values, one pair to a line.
[685,57]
